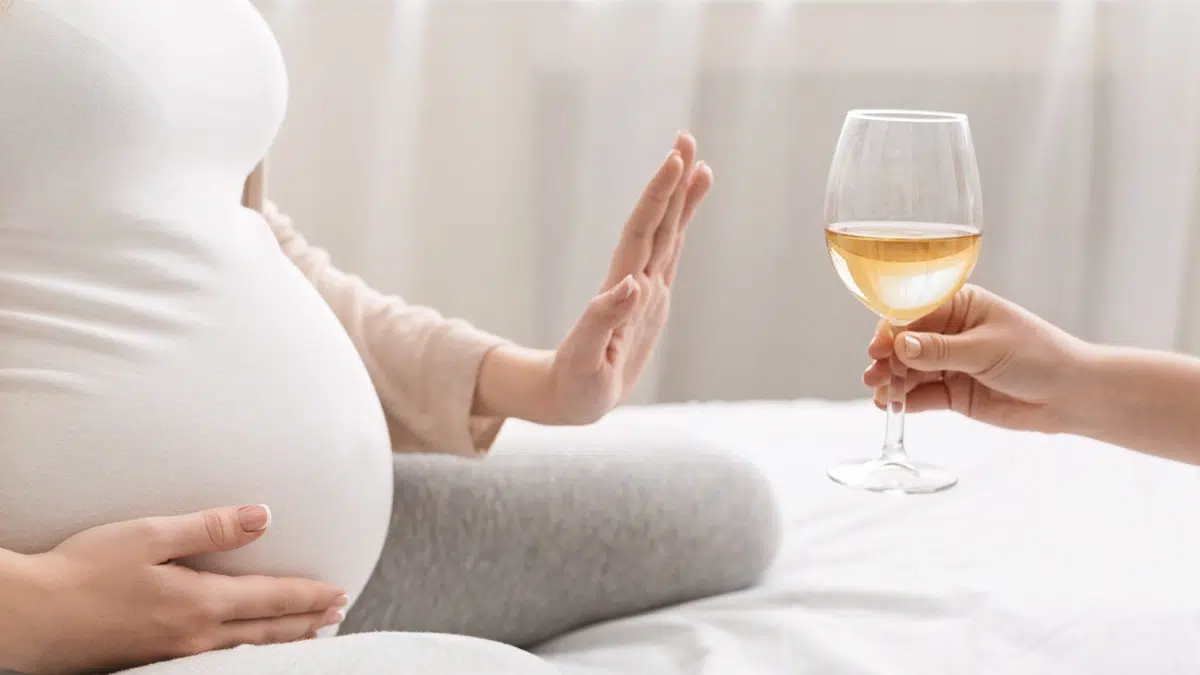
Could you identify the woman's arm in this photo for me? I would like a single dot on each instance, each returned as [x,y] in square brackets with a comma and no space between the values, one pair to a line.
[988,358]
[424,366]
[17,591]
[1140,399]
[447,386]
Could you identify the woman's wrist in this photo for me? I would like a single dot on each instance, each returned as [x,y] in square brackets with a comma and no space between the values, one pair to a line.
[516,382]
[23,589]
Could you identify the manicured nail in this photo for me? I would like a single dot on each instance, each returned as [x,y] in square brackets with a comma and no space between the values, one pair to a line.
[254,518]
[625,289]
[341,600]
[912,347]
[335,616]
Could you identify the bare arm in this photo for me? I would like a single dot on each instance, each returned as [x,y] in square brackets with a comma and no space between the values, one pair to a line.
[17,590]
[1140,399]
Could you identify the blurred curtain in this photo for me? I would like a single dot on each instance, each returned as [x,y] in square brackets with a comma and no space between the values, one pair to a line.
[481,157]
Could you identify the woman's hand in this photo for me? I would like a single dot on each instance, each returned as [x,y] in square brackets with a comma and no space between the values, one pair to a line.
[986,358]
[603,356]
[110,598]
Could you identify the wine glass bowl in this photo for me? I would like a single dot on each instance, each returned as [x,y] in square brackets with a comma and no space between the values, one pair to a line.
[903,227]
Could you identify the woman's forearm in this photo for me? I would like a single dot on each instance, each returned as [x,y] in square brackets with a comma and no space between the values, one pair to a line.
[18,589]
[1140,399]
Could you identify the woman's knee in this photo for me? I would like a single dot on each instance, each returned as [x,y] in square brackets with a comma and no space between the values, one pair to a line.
[741,512]
[702,499]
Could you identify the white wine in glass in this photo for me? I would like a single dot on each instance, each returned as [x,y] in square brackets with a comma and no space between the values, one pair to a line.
[903,225]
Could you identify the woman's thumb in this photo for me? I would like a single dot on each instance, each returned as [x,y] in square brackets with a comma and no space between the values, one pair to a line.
[158,539]
[934,351]
[210,531]
[614,307]
[605,313]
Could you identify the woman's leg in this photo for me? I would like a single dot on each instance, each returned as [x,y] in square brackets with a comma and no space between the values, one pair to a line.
[369,654]
[573,527]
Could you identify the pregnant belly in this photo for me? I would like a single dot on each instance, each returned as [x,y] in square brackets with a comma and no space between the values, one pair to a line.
[265,400]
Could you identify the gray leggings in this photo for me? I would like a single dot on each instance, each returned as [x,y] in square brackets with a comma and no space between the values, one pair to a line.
[530,543]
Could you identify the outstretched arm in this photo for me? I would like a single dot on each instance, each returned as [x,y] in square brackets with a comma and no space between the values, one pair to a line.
[424,366]
[988,358]
[447,386]
[1141,399]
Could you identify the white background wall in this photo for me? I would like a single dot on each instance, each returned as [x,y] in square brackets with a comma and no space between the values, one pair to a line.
[481,156]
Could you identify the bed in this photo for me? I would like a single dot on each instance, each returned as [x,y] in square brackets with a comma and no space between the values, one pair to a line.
[1054,555]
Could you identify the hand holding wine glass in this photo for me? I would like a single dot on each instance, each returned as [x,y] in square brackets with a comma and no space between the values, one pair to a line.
[904,218]
[990,359]
[987,358]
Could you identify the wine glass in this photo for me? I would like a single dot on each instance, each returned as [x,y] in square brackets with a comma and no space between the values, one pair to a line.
[903,224]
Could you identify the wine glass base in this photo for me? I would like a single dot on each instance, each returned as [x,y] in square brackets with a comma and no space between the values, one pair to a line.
[879,475]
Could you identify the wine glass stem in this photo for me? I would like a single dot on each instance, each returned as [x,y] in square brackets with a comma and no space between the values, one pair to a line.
[893,442]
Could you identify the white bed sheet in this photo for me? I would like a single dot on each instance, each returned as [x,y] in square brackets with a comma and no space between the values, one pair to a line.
[1055,555]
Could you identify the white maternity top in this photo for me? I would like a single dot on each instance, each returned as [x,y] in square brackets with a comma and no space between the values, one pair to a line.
[160,351]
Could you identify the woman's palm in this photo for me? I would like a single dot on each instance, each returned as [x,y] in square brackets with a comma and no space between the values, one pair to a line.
[602,358]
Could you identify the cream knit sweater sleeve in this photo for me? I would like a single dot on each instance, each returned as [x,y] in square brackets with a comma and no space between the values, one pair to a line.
[424,366]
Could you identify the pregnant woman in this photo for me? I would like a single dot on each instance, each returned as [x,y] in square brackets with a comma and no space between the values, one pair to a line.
[170,345]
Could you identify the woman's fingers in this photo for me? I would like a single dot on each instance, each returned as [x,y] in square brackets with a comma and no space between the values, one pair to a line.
[701,183]
[637,239]
[607,312]
[949,319]
[879,374]
[924,397]
[668,231]
[274,631]
[880,347]
[260,597]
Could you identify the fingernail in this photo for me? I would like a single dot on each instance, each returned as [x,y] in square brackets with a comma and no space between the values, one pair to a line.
[672,154]
[912,347]
[254,518]
[625,288]
[341,600]
[335,616]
